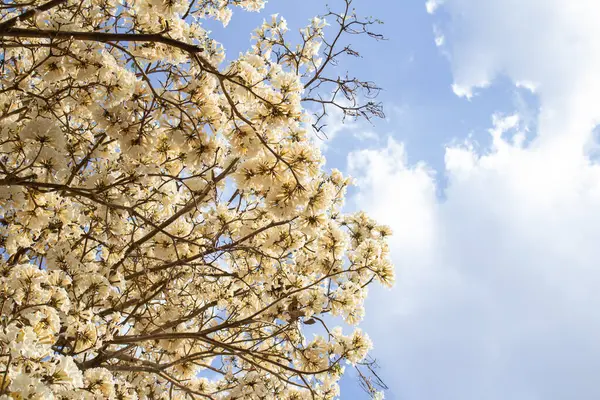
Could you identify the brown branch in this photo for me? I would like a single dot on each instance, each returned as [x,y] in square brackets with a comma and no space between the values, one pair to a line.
[99,37]
[29,13]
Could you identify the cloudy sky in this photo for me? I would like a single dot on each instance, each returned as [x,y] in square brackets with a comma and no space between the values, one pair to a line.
[486,169]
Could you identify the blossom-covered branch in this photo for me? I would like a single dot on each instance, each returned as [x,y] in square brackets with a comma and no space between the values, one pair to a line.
[99,37]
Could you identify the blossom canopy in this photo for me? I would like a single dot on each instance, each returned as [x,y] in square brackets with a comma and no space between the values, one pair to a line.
[167,227]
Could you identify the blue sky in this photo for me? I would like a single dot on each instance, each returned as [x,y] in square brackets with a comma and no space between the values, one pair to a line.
[485,169]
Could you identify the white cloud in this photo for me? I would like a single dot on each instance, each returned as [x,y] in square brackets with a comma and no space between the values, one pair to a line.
[432,5]
[531,86]
[499,283]
[497,292]
[462,91]
[438,36]
[384,179]
[550,46]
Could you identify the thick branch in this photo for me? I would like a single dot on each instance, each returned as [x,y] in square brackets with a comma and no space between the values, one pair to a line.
[99,37]
[29,13]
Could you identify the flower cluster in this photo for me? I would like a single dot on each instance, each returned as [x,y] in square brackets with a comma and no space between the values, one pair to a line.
[167,229]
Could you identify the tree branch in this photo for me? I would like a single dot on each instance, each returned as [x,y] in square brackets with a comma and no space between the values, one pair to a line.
[99,37]
[29,13]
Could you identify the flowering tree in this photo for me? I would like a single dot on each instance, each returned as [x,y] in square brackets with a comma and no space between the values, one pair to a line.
[166,227]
